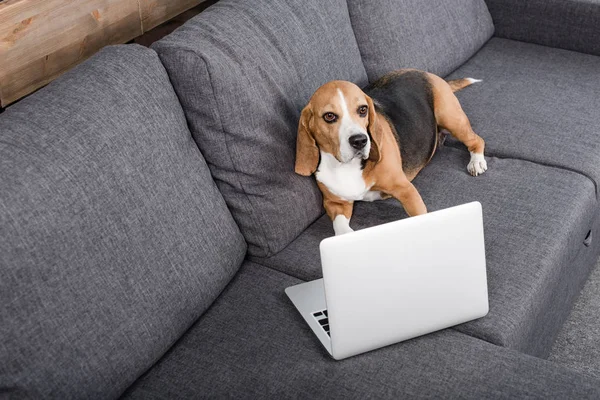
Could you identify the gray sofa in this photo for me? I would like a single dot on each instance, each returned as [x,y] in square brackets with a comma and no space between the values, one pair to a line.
[150,218]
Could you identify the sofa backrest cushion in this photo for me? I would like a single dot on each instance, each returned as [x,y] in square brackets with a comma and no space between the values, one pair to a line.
[243,71]
[433,35]
[113,237]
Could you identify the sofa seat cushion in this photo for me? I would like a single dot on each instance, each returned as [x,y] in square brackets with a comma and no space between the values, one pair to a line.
[535,221]
[113,236]
[434,35]
[252,344]
[536,103]
[243,72]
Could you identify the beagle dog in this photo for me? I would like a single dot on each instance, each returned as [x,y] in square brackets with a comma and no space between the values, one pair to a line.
[370,144]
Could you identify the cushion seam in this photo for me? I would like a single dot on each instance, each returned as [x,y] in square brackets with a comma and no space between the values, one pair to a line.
[538,44]
[561,167]
[257,260]
[362,61]
[254,262]
[548,165]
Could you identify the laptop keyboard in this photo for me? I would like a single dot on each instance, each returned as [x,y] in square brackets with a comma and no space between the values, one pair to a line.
[323,320]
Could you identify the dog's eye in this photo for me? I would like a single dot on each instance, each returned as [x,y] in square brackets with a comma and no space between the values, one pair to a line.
[362,111]
[329,117]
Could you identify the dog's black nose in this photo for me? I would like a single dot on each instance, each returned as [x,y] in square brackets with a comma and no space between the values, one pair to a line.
[358,141]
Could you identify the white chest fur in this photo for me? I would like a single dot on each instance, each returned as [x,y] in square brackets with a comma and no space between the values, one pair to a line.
[345,180]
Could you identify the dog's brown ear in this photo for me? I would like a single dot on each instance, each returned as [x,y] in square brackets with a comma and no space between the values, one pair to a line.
[375,130]
[307,152]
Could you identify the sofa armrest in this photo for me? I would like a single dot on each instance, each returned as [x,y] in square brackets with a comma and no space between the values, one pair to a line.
[567,24]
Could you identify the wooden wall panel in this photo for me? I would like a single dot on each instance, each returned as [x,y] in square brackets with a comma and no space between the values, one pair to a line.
[41,39]
[155,12]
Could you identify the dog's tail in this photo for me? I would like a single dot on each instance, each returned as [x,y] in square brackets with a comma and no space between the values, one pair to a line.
[459,84]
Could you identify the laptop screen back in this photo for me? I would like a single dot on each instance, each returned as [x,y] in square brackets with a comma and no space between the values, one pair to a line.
[404,279]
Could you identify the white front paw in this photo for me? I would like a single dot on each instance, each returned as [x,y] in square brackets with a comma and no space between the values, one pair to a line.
[341,225]
[477,165]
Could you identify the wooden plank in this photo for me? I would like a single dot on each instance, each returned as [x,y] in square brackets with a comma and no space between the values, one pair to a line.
[155,12]
[40,39]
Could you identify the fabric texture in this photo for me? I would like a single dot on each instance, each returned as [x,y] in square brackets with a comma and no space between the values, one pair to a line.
[578,343]
[252,343]
[535,221]
[568,24]
[113,237]
[536,103]
[243,85]
[434,35]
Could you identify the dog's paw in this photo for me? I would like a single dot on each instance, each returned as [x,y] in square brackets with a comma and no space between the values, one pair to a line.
[477,165]
[341,225]
[343,232]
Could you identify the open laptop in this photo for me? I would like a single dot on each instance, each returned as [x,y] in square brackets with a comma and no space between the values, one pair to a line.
[396,281]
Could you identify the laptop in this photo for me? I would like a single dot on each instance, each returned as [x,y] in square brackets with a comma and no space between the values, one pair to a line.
[396,281]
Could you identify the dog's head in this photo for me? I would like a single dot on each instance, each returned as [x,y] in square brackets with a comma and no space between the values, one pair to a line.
[340,119]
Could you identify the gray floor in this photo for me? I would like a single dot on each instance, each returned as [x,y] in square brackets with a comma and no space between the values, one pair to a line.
[578,343]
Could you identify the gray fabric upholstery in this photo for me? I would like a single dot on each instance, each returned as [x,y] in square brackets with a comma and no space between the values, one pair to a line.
[535,221]
[568,24]
[434,35]
[252,344]
[536,103]
[243,71]
[113,236]
[578,343]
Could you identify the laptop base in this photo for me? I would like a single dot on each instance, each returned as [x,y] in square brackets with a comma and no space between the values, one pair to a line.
[309,299]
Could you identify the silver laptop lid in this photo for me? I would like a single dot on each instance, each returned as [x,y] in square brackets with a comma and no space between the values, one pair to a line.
[403,279]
